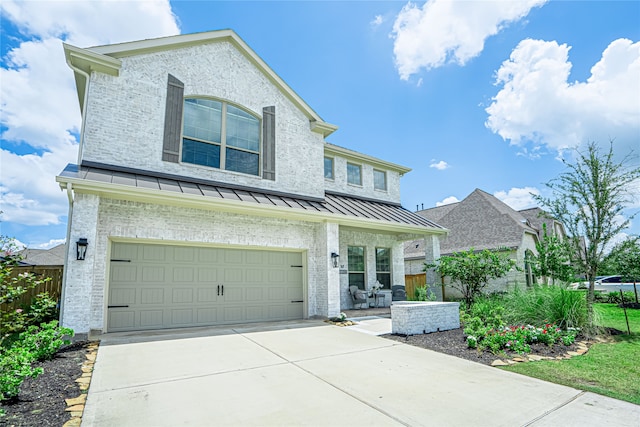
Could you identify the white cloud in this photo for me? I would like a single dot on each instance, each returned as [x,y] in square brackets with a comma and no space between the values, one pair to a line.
[448,201]
[444,31]
[48,245]
[377,21]
[518,198]
[441,165]
[537,105]
[39,103]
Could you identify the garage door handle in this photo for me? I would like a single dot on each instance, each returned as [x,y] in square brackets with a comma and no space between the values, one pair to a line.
[298,301]
[120,260]
[218,290]
[296,266]
[223,290]
[117,306]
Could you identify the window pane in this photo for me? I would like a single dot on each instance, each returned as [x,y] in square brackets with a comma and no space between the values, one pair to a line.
[384,279]
[243,130]
[354,175]
[200,153]
[379,180]
[383,259]
[203,119]
[355,255]
[242,161]
[328,167]
[356,279]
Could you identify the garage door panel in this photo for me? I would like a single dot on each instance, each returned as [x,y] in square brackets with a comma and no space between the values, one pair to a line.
[122,319]
[152,296]
[123,296]
[151,318]
[182,317]
[233,294]
[182,296]
[207,294]
[183,274]
[207,315]
[124,273]
[153,274]
[156,252]
[276,293]
[207,275]
[254,313]
[254,294]
[174,286]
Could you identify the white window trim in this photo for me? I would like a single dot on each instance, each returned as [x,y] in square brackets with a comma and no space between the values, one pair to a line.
[386,182]
[390,272]
[333,168]
[361,178]
[223,138]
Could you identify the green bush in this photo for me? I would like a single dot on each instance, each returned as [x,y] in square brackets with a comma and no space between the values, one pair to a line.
[423,293]
[45,340]
[15,367]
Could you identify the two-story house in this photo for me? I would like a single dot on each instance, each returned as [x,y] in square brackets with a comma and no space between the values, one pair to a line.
[205,194]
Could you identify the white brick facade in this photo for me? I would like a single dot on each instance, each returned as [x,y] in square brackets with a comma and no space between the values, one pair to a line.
[124,127]
[125,116]
[414,317]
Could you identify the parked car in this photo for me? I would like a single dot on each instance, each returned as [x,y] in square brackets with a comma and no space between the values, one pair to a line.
[608,284]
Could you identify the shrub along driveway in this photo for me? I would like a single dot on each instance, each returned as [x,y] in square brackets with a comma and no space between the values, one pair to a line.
[310,373]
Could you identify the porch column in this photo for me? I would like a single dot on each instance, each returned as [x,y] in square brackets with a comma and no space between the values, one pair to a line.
[431,254]
[78,282]
[328,289]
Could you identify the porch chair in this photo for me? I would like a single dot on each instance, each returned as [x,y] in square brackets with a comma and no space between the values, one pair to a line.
[358,296]
[398,293]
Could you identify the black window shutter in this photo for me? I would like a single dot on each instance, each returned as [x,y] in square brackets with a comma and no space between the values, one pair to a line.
[173,120]
[269,143]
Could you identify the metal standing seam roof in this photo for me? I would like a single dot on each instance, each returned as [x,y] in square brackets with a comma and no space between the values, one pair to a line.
[333,203]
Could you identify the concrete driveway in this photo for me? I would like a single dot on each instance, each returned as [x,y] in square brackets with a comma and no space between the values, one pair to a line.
[311,373]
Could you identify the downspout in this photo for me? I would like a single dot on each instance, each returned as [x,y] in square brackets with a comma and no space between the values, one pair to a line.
[68,251]
[82,107]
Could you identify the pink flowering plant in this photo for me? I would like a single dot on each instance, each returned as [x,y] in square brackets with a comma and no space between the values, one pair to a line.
[519,338]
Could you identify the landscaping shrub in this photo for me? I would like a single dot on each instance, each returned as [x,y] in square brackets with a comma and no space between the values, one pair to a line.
[423,293]
[546,304]
[15,367]
[45,340]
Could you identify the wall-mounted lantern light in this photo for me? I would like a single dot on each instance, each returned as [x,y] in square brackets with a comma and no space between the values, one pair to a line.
[335,257]
[81,248]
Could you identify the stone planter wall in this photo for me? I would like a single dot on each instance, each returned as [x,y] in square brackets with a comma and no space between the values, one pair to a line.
[418,317]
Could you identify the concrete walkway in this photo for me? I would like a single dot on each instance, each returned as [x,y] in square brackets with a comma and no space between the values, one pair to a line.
[311,373]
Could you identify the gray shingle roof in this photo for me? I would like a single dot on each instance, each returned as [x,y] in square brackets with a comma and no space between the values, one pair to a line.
[43,257]
[332,204]
[480,221]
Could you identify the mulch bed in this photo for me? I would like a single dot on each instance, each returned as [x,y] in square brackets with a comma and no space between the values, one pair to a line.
[41,401]
[454,343]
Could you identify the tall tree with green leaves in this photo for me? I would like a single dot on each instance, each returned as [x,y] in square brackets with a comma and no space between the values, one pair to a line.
[553,260]
[470,271]
[590,199]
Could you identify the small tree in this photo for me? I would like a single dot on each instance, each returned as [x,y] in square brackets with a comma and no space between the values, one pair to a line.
[589,198]
[470,271]
[553,260]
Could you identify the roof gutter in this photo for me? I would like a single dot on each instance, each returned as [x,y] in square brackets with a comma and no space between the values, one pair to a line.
[82,113]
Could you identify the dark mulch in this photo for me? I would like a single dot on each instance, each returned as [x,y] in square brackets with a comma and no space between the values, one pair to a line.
[41,400]
[454,343]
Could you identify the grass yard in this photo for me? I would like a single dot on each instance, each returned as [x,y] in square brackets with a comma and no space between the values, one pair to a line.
[611,369]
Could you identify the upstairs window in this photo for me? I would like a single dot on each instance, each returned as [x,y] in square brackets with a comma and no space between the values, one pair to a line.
[219,135]
[354,174]
[328,167]
[379,180]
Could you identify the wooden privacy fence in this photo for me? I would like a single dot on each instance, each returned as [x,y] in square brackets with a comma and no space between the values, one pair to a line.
[53,287]
[412,281]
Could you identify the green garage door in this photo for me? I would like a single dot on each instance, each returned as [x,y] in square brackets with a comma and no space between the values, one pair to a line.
[161,286]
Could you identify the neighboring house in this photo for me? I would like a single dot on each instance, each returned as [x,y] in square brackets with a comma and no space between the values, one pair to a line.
[481,221]
[208,195]
[44,257]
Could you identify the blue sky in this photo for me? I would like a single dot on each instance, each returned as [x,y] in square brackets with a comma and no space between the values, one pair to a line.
[480,94]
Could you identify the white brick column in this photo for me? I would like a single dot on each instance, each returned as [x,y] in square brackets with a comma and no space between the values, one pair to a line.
[78,280]
[431,254]
[329,298]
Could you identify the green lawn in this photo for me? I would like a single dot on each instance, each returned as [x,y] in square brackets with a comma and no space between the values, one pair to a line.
[611,369]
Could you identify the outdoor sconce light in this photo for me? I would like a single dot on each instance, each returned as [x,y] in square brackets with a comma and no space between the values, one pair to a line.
[335,257]
[81,248]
